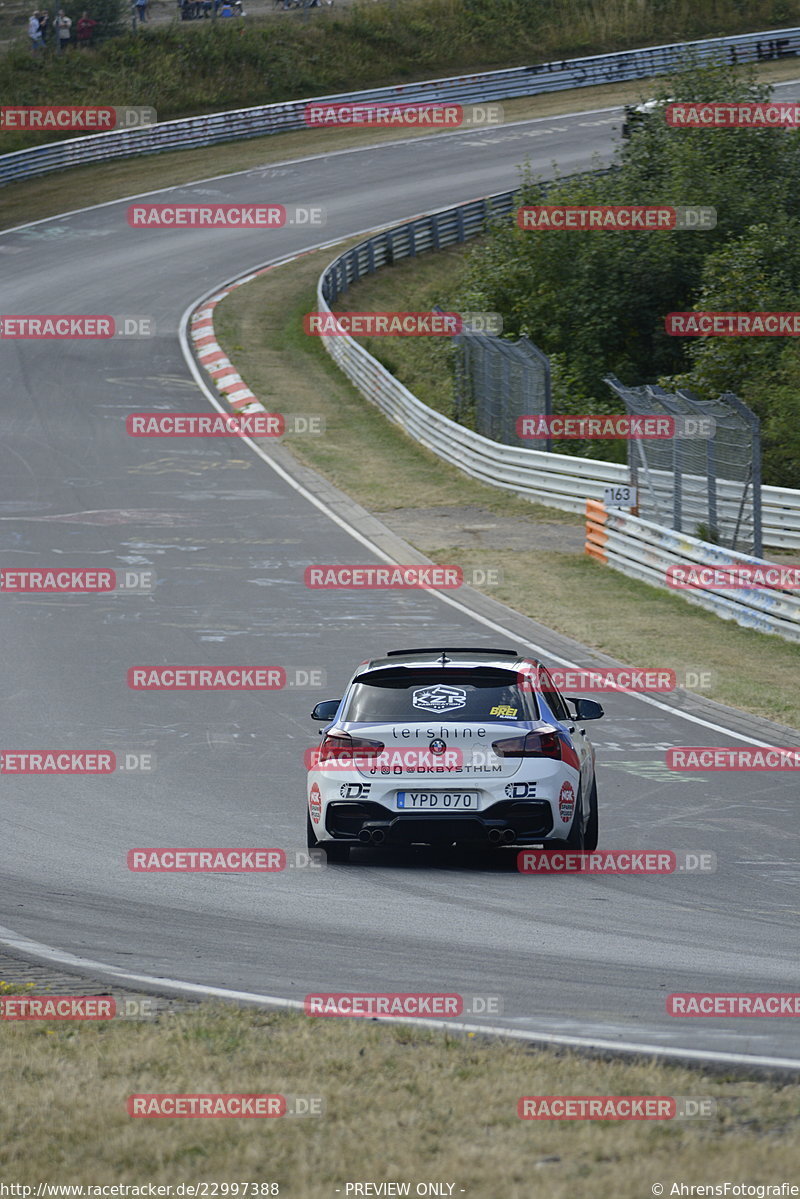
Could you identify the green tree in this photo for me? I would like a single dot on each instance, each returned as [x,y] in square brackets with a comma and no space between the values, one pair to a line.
[596,301]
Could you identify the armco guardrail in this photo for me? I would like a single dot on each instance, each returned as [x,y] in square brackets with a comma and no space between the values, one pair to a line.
[643,550]
[473,89]
[559,480]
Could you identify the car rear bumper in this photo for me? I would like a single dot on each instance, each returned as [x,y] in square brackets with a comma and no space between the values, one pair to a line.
[518,822]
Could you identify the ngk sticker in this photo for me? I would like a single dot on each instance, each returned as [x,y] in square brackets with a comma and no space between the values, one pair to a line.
[566,801]
[315,803]
[439,698]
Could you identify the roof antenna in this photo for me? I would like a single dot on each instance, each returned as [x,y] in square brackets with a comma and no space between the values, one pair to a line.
[444,659]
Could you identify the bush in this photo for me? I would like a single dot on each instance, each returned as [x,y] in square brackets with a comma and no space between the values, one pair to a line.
[596,301]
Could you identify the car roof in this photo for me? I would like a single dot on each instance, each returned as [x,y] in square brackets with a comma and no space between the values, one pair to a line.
[447,658]
[647,106]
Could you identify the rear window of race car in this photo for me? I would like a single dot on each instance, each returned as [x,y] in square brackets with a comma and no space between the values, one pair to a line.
[477,695]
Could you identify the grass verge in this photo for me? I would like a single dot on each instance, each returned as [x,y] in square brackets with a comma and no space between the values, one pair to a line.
[399,1104]
[260,327]
[185,71]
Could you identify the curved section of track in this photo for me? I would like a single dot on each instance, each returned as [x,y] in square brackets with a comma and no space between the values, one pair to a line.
[228,537]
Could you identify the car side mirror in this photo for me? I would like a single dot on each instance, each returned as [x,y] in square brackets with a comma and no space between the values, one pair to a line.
[326,709]
[586,709]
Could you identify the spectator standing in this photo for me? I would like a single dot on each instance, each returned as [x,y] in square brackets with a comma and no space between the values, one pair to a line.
[44,24]
[63,27]
[86,28]
[35,33]
[141,10]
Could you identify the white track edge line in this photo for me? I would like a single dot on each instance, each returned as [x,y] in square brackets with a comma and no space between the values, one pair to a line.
[62,957]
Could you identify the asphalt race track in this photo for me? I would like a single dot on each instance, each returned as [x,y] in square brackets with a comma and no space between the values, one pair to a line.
[229,538]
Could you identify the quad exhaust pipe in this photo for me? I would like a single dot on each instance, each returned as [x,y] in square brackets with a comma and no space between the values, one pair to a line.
[502,836]
[372,836]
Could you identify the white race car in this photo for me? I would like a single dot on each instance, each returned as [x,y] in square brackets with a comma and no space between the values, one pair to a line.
[636,114]
[452,746]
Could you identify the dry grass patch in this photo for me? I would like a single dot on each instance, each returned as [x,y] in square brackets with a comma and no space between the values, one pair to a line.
[400,1104]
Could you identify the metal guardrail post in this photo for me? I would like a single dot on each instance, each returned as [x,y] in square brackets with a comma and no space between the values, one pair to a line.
[677,484]
[711,474]
[755,473]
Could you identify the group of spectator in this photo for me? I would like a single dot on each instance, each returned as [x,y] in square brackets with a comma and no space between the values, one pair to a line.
[285,4]
[192,9]
[39,25]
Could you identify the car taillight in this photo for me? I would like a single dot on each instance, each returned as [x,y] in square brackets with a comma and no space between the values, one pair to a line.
[532,745]
[547,743]
[343,746]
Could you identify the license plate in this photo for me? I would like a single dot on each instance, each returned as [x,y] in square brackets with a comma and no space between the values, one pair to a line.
[426,800]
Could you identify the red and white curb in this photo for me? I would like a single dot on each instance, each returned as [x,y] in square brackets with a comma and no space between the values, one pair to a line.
[210,355]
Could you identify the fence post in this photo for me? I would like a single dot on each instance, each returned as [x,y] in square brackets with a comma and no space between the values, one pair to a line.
[755,466]
[711,472]
[677,485]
